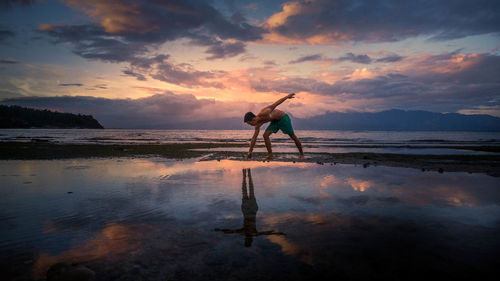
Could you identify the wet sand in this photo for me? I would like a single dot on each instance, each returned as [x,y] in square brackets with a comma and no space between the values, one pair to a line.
[487,163]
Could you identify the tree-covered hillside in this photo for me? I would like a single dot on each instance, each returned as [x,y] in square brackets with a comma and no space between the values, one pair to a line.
[22,117]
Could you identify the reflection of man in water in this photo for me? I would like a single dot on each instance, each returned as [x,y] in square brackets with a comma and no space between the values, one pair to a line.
[249,208]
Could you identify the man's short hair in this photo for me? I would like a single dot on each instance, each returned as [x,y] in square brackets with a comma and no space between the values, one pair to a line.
[248,117]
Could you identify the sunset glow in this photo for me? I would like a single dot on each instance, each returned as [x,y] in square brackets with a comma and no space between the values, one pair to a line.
[227,57]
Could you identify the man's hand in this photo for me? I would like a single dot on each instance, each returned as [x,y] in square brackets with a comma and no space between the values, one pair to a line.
[249,155]
[291,96]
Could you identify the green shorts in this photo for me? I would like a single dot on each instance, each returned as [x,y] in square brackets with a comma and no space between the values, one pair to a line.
[284,124]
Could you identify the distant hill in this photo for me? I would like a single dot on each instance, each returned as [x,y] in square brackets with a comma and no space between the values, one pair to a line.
[22,117]
[399,120]
[389,120]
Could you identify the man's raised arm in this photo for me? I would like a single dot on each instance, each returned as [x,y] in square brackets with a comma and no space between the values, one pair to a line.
[278,102]
[252,142]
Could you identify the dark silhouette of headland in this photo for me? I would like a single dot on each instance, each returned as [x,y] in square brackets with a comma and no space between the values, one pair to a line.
[21,117]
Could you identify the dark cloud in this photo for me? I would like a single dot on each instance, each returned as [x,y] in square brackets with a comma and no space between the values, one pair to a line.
[310,200]
[390,20]
[130,72]
[391,58]
[8,93]
[148,62]
[8,4]
[101,86]
[269,63]
[225,50]
[92,42]
[478,70]
[70,84]
[355,58]
[389,199]
[6,34]
[8,61]
[184,74]
[165,110]
[217,48]
[307,58]
[448,90]
[378,87]
[154,111]
[159,21]
[364,59]
[355,200]
[124,29]
[290,85]
[381,86]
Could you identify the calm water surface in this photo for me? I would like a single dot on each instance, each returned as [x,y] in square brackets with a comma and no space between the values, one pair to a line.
[157,219]
[329,141]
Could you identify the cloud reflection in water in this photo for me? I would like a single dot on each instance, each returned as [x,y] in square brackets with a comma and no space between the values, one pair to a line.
[163,214]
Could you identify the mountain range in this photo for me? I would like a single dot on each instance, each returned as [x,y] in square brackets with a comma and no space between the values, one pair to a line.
[389,120]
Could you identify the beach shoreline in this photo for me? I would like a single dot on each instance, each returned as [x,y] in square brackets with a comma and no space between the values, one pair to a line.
[487,164]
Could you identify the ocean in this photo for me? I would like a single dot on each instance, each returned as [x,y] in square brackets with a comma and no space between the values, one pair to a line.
[329,141]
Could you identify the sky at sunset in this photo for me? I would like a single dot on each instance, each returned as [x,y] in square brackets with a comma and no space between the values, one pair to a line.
[198,60]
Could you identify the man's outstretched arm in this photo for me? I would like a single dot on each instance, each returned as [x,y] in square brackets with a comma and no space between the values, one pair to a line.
[252,142]
[280,101]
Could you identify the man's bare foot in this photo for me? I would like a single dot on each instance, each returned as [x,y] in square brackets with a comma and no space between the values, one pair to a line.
[301,157]
[269,157]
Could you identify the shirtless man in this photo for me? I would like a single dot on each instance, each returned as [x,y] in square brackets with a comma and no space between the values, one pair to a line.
[279,121]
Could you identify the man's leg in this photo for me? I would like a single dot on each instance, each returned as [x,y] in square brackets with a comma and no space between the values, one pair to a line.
[298,144]
[251,192]
[268,145]
[244,186]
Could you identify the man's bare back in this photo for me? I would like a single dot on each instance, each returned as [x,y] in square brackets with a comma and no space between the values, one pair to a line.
[268,114]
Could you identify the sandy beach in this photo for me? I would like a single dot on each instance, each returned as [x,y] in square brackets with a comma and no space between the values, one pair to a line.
[484,163]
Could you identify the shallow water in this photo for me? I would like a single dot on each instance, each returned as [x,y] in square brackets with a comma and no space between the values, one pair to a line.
[291,148]
[159,219]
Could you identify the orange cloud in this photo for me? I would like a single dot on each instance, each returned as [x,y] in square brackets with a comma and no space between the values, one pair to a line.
[274,38]
[448,194]
[45,27]
[293,248]
[362,73]
[359,185]
[491,110]
[446,63]
[114,239]
[115,16]
[458,62]
[278,19]
[328,181]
